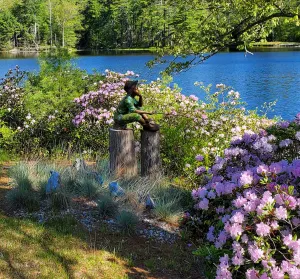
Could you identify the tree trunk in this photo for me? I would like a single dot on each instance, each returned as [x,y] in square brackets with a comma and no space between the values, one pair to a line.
[50,22]
[63,35]
[150,153]
[15,40]
[122,153]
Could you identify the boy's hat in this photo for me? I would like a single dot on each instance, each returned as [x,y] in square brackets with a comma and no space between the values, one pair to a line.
[129,84]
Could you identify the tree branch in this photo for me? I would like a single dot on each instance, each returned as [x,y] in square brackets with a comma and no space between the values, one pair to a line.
[236,33]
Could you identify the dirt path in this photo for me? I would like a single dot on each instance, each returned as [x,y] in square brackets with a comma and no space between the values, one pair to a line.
[4,186]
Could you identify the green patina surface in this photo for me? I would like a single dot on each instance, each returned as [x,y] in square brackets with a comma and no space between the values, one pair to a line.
[125,112]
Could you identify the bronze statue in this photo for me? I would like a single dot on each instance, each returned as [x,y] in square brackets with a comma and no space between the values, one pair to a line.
[129,109]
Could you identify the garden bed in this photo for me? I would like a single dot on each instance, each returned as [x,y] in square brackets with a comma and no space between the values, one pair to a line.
[76,244]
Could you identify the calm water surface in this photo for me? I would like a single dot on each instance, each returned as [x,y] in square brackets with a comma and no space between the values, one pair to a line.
[263,77]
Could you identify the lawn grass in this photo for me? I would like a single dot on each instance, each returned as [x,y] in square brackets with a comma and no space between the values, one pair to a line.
[63,249]
[30,250]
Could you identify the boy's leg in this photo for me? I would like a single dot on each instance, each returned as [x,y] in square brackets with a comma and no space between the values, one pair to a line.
[146,118]
[149,125]
[132,117]
[135,117]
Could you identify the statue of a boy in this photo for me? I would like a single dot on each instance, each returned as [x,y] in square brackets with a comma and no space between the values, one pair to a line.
[129,109]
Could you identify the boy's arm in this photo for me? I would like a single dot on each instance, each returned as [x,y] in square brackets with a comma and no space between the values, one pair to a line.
[132,108]
[140,103]
[142,112]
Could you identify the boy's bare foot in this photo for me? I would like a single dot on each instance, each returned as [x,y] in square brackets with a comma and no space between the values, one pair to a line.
[151,126]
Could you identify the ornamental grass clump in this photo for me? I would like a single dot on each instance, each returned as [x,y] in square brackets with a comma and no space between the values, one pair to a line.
[127,221]
[168,211]
[59,200]
[168,203]
[250,205]
[68,180]
[20,175]
[19,198]
[107,207]
[87,186]
[22,195]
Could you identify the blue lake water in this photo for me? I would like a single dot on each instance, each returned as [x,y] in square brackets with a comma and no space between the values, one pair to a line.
[262,77]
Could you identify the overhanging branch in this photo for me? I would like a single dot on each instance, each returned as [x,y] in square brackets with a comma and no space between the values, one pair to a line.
[238,32]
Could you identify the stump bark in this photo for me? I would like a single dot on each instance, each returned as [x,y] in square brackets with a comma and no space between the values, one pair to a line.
[150,153]
[122,153]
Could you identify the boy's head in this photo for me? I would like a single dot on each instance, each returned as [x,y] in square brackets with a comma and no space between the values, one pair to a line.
[130,85]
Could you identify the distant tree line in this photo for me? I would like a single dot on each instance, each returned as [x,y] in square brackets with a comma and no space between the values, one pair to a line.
[92,24]
[183,26]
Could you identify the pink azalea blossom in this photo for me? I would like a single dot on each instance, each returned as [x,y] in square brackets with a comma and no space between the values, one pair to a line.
[238,217]
[252,274]
[281,213]
[199,158]
[262,229]
[235,230]
[277,273]
[255,253]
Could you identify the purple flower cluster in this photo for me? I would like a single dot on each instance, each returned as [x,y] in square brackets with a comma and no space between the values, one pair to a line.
[257,201]
[285,143]
[283,124]
[99,106]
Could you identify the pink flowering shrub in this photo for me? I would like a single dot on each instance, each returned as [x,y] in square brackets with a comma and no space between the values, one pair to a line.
[12,96]
[56,112]
[188,126]
[250,205]
[202,127]
[97,107]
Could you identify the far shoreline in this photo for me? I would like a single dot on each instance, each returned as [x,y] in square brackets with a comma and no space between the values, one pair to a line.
[258,46]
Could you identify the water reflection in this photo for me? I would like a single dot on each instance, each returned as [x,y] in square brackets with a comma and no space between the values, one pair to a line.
[18,55]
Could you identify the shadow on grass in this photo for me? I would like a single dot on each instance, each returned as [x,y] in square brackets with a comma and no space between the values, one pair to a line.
[13,272]
[62,248]
[26,245]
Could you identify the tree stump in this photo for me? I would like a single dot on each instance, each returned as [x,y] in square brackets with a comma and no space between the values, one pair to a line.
[122,153]
[150,153]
